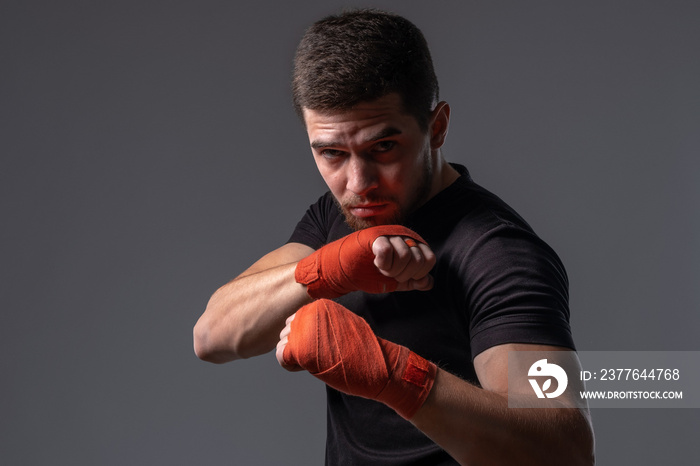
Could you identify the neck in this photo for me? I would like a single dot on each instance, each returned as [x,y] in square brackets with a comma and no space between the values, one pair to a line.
[443,175]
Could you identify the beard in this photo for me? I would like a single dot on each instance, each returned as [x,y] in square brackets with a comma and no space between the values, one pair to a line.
[357,223]
[399,215]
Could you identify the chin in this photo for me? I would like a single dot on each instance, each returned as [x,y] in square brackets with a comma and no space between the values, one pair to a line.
[357,223]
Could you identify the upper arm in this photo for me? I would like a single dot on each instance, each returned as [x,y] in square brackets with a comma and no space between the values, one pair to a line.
[491,365]
[494,366]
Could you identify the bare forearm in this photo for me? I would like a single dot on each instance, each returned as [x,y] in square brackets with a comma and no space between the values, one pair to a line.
[244,317]
[476,426]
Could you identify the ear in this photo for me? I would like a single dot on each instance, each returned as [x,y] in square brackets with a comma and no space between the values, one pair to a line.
[439,123]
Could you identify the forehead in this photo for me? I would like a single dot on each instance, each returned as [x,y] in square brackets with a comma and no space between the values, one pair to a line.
[361,120]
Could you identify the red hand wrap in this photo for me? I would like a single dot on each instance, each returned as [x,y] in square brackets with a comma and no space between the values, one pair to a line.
[347,264]
[338,347]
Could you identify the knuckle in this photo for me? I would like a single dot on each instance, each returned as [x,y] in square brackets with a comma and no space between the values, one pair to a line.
[419,258]
[382,242]
[403,255]
[429,256]
[382,249]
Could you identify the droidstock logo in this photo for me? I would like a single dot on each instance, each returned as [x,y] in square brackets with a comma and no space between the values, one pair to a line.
[540,369]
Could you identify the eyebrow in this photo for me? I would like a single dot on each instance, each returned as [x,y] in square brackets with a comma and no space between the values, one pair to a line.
[384,133]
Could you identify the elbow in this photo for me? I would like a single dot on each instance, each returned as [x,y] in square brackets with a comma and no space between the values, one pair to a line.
[584,457]
[221,337]
[586,439]
[206,348]
[589,453]
[587,457]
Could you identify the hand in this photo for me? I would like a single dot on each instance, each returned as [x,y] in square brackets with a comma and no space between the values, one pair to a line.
[284,339]
[407,261]
[338,347]
[348,264]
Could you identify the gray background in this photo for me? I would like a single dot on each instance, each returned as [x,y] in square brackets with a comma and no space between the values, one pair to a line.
[141,143]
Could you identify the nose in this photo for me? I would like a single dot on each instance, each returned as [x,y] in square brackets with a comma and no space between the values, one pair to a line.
[361,175]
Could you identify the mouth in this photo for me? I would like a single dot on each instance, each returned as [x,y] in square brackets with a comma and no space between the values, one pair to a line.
[367,210]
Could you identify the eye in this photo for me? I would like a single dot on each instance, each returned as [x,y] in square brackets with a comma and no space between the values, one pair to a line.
[384,146]
[331,154]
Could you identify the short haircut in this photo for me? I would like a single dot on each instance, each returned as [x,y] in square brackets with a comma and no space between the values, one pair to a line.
[360,56]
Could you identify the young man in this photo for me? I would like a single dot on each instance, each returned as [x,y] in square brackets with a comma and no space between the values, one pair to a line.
[406,285]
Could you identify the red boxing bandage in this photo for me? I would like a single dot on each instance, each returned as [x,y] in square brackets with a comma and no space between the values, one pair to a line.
[347,264]
[338,347]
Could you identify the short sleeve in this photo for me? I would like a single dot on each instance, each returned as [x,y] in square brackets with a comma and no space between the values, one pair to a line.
[518,291]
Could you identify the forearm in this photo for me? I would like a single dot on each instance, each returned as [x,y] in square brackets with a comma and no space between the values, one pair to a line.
[244,317]
[476,426]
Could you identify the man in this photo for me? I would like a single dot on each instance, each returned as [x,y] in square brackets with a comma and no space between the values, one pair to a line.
[405,287]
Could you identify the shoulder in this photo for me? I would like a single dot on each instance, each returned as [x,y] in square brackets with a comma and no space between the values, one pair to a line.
[483,244]
[466,213]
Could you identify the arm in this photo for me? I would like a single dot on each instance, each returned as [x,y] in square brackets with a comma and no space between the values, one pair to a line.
[476,426]
[243,317]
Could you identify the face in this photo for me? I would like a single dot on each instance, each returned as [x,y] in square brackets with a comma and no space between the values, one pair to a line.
[374,158]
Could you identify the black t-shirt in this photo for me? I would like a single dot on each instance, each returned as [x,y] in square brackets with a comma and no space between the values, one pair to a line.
[495,282]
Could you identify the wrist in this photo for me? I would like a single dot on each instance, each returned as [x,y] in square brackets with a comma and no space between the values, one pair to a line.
[411,380]
[308,272]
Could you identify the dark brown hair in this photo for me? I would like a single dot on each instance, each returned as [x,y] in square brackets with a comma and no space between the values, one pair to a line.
[360,56]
